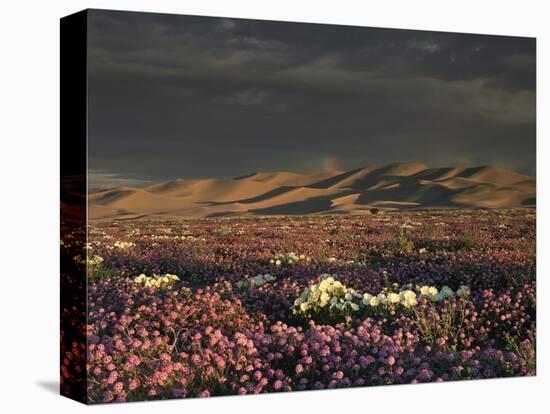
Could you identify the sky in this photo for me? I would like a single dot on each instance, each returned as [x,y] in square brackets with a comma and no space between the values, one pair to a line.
[174,96]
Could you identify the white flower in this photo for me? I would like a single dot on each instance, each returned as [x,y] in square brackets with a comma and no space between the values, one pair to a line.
[429,291]
[446,292]
[140,279]
[328,291]
[463,291]
[366,299]
[382,299]
[374,301]
[408,298]
[324,299]
[123,245]
[393,298]
[407,294]
[410,302]
[166,281]
[288,259]
[258,281]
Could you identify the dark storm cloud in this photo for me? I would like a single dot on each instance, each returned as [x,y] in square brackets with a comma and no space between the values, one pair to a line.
[179,96]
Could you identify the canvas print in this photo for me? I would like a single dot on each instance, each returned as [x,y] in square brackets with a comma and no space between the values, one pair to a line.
[260,206]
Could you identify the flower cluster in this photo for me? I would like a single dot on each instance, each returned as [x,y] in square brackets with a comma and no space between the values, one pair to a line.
[329,296]
[289,259]
[449,313]
[409,298]
[165,281]
[92,262]
[256,281]
[123,245]
[406,298]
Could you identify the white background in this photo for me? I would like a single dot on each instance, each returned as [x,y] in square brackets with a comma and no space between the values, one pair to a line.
[29,163]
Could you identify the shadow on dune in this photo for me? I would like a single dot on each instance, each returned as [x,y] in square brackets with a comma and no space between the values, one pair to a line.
[309,206]
[257,199]
[421,194]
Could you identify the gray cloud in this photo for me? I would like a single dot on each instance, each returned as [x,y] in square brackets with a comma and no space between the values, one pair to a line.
[182,96]
[99,179]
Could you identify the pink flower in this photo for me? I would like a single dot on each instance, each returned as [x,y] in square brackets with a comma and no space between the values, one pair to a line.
[133,384]
[204,394]
[113,376]
[338,375]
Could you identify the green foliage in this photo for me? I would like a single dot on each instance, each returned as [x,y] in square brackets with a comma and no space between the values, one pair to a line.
[518,279]
[443,325]
[405,245]
[102,273]
[469,239]
[524,349]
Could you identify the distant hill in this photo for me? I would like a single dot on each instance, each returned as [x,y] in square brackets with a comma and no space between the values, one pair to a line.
[392,186]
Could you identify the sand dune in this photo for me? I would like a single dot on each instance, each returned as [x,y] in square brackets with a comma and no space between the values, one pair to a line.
[288,179]
[493,175]
[392,186]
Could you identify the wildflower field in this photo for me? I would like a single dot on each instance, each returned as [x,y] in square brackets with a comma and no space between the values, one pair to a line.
[223,306]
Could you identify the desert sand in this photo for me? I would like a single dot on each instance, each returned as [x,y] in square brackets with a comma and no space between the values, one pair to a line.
[397,186]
